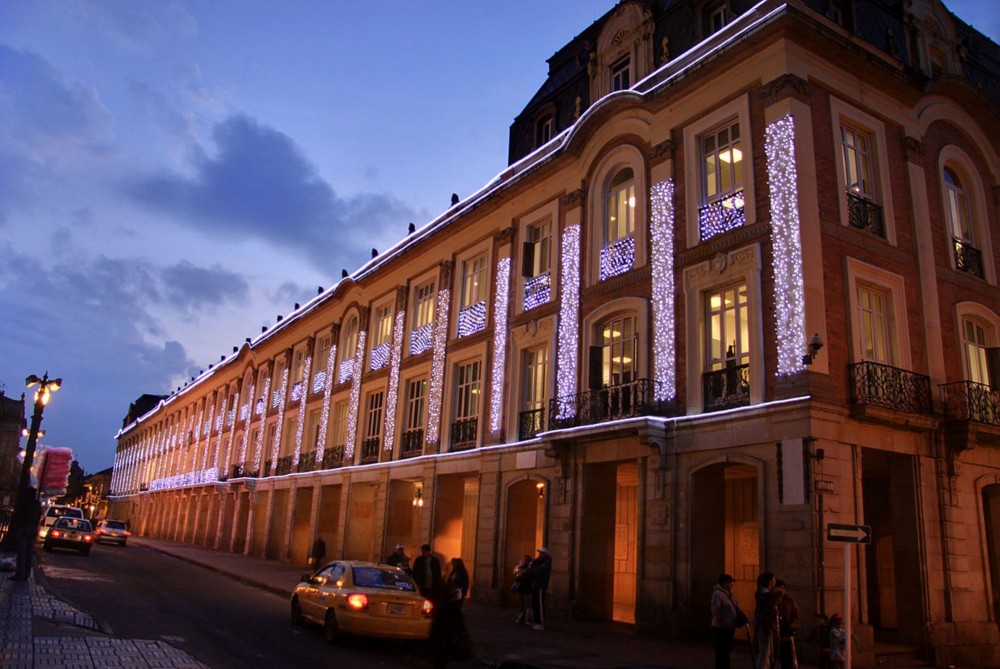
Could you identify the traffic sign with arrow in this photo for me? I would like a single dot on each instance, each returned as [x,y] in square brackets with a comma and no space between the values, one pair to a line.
[855,534]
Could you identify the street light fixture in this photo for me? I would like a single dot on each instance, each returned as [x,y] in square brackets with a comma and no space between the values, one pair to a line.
[46,387]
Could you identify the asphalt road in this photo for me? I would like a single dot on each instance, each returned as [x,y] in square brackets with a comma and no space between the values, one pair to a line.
[138,593]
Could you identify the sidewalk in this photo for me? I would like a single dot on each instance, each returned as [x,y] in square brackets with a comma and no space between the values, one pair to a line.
[38,630]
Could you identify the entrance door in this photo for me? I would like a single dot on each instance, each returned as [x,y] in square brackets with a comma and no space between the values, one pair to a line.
[525,524]
[725,536]
[609,542]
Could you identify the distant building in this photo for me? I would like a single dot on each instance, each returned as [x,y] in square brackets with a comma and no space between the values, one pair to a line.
[738,282]
[11,425]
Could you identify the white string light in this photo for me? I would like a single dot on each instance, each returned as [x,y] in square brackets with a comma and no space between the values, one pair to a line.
[569,309]
[352,414]
[789,291]
[324,416]
[500,303]
[301,418]
[661,197]
[437,365]
[393,392]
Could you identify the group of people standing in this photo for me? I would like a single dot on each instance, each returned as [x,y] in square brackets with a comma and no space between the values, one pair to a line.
[775,623]
[531,580]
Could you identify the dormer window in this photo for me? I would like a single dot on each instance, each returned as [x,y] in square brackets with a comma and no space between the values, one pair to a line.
[621,74]
[717,19]
[544,130]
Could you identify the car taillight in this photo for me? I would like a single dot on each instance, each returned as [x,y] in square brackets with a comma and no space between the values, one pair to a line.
[88,537]
[127,533]
[427,608]
[358,601]
[55,533]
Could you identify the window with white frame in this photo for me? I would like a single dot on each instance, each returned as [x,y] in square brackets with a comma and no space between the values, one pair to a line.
[381,337]
[372,441]
[968,255]
[348,347]
[338,426]
[544,129]
[319,362]
[422,334]
[277,382]
[312,432]
[468,389]
[537,264]
[717,18]
[618,344]
[472,310]
[976,343]
[874,324]
[859,161]
[621,74]
[618,252]
[726,381]
[534,396]
[723,199]
[298,371]
[414,418]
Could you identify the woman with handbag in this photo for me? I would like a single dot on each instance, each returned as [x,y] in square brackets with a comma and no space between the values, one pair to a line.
[726,618]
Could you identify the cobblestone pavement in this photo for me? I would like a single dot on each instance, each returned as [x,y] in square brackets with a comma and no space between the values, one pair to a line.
[39,630]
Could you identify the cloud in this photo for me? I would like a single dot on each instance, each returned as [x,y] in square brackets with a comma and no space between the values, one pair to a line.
[259,185]
[188,286]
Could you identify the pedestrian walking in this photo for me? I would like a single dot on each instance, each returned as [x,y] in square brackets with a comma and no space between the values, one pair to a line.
[539,572]
[765,622]
[318,553]
[838,642]
[449,634]
[427,572]
[522,586]
[727,617]
[788,626]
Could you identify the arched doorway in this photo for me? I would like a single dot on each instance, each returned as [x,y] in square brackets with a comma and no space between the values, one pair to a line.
[525,524]
[725,536]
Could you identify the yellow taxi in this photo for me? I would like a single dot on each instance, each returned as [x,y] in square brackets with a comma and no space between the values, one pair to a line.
[351,597]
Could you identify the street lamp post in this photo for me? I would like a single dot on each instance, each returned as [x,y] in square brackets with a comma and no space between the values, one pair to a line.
[46,387]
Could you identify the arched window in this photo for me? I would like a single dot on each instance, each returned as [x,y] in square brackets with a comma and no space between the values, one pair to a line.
[958,209]
[618,254]
[349,344]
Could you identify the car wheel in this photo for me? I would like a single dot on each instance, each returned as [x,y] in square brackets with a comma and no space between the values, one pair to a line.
[330,630]
[296,612]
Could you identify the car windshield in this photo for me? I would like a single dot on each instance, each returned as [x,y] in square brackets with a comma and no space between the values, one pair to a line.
[114,524]
[73,524]
[59,512]
[370,577]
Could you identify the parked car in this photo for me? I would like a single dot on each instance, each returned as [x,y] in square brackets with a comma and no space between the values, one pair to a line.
[114,531]
[53,513]
[363,599]
[69,532]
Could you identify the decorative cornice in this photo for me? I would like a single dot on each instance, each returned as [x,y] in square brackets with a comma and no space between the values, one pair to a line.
[662,151]
[785,86]
[504,235]
[573,199]
[447,267]
[401,293]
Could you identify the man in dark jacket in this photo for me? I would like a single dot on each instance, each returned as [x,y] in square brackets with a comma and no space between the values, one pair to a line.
[538,573]
[427,571]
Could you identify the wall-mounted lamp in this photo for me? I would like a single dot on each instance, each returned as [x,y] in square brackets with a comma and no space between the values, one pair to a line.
[815,344]
[540,487]
[418,497]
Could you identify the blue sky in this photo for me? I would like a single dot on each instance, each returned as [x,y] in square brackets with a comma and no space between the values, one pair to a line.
[176,173]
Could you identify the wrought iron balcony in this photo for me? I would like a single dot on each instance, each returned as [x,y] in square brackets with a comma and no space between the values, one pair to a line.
[721,216]
[530,423]
[370,450]
[890,387]
[967,400]
[864,214]
[537,290]
[627,400]
[968,258]
[472,319]
[412,443]
[726,388]
[617,258]
[307,462]
[284,465]
[245,470]
[463,433]
[333,457]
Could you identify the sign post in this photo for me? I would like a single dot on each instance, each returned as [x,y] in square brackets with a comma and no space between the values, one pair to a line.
[848,534]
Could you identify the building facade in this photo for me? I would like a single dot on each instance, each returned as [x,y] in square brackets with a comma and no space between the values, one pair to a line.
[736,284]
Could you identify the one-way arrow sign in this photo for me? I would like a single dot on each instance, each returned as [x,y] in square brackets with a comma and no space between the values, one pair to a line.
[855,534]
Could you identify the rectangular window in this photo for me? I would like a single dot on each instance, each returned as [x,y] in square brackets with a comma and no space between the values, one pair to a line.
[722,181]
[727,377]
[531,418]
[277,382]
[298,365]
[381,337]
[319,362]
[536,265]
[311,440]
[621,75]
[975,351]
[338,425]
[414,418]
[373,422]
[873,321]
[472,313]
[863,210]
[421,336]
[717,20]
[468,390]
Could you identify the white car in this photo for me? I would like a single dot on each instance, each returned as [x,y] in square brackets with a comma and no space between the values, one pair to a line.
[113,531]
[53,513]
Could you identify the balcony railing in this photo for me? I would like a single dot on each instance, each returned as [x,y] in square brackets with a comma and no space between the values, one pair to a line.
[463,433]
[284,465]
[307,462]
[721,216]
[890,387]
[370,450]
[530,423]
[626,400]
[411,443]
[726,388]
[968,400]
[617,258]
[537,290]
[333,457]
[968,258]
[864,214]
[245,469]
